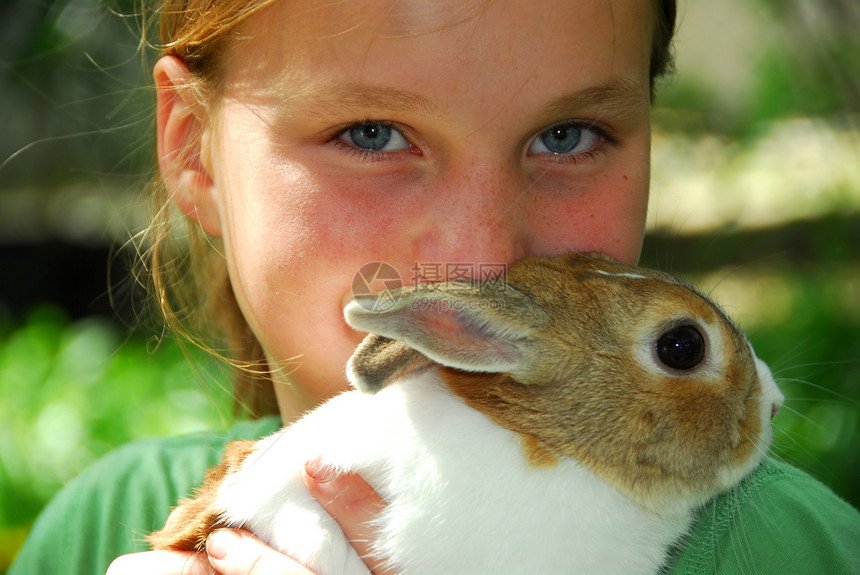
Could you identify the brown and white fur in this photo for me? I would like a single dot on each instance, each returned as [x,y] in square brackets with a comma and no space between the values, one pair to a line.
[521,426]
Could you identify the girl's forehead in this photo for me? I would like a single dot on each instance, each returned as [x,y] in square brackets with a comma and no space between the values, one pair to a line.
[493,24]
[403,18]
[441,45]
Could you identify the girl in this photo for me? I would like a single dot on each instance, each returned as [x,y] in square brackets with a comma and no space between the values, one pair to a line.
[304,139]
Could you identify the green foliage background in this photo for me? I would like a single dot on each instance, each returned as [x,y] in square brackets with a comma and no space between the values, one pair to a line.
[77,114]
[73,390]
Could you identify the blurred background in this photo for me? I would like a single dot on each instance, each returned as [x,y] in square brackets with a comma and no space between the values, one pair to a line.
[755,198]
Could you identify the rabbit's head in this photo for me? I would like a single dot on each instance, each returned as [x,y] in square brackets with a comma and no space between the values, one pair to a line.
[629,371]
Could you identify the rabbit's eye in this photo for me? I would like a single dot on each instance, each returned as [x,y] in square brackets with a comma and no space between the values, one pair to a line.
[682,347]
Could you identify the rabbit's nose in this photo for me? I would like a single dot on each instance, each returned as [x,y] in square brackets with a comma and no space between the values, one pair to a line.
[774,409]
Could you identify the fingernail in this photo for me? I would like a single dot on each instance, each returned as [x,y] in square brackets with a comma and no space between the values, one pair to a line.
[218,542]
[320,472]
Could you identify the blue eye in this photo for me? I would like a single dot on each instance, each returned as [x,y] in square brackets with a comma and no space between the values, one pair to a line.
[374,137]
[564,139]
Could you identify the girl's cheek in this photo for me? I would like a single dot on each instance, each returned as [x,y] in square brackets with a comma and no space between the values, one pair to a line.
[360,214]
[604,213]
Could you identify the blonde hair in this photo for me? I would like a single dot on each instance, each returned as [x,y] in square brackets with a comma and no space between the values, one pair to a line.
[185,269]
[181,266]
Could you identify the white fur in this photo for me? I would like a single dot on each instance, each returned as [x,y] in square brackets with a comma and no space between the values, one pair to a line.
[461,496]
[622,275]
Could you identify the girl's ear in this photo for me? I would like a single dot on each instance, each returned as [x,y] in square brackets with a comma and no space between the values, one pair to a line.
[180,144]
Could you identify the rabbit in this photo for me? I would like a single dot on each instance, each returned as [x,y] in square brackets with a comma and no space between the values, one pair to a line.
[569,419]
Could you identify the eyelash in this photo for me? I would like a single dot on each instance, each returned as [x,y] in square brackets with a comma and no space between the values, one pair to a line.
[606,141]
[366,155]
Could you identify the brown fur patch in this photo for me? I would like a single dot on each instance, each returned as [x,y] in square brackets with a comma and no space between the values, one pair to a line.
[538,455]
[750,428]
[194,519]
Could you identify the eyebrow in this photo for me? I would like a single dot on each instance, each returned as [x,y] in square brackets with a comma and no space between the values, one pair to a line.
[618,96]
[337,98]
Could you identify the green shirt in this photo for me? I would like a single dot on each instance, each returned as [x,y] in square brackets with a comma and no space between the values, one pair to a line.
[778,521]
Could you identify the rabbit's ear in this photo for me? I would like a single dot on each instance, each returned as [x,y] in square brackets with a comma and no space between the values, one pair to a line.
[470,327]
[378,361]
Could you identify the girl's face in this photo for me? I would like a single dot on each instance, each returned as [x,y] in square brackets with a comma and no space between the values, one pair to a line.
[432,136]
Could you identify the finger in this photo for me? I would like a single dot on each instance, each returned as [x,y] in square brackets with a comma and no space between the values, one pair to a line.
[238,552]
[161,563]
[352,503]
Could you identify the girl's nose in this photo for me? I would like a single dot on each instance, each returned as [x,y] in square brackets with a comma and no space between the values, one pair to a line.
[480,219]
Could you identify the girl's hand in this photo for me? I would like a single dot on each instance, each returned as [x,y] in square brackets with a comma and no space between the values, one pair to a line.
[229,551]
[347,498]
